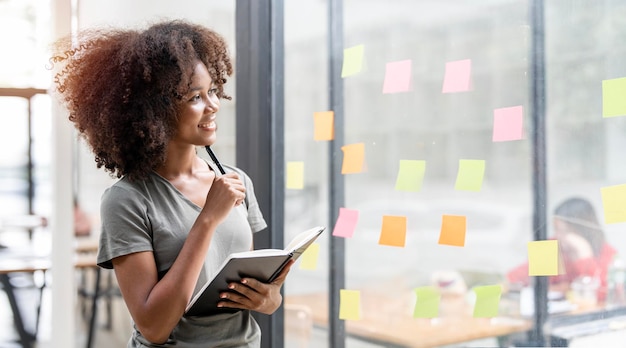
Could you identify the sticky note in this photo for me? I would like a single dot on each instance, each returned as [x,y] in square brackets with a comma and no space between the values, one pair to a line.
[427,303]
[393,231]
[346,223]
[614,97]
[308,259]
[614,203]
[508,124]
[397,77]
[349,304]
[295,175]
[352,60]
[470,175]
[324,125]
[487,301]
[453,229]
[457,76]
[353,158]
[410,175]
[543,258]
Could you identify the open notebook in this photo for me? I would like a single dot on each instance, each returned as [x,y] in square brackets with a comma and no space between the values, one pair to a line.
[261,264]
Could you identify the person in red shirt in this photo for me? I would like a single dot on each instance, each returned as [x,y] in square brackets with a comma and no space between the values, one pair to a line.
[582,245]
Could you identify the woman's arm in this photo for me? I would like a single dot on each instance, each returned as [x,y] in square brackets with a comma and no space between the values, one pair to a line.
[156,305]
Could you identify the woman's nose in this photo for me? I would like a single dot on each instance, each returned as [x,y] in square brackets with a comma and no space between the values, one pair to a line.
[212,106]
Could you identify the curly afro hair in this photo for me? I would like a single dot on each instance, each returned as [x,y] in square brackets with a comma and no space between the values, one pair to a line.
[123,88]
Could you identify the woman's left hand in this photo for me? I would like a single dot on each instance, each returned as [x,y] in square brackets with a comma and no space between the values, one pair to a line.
[254,295]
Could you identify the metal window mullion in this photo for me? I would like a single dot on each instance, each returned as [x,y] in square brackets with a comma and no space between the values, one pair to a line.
[337,188]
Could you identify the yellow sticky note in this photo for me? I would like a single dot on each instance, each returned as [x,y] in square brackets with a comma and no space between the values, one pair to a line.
[614,97]
[487,301]
[614,203]
[352,60]
[324,125]
[295,175]
[410,175]
[543,258]
[393,232]
[308,259]
[353,158]
[453,229]
[349,304]
[427,303]
[470,175]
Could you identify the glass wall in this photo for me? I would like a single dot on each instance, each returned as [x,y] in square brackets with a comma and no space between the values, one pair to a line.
[438,170]
[24,112]
[306,202]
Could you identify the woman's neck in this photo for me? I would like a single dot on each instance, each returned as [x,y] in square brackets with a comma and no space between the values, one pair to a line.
[180,162]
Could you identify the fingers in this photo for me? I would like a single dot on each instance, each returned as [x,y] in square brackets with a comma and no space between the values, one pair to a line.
[280,279]
[230,185]
[253,295]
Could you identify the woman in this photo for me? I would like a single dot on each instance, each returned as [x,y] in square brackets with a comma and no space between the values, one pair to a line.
[144,101]
[582,245]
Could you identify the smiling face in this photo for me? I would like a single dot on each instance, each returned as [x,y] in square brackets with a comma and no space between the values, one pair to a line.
[197,113]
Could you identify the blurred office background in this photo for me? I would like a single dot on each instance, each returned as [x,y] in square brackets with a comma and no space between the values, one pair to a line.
[582,46]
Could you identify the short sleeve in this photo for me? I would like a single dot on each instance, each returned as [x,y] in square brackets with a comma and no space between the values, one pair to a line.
[255,217]
[125,225]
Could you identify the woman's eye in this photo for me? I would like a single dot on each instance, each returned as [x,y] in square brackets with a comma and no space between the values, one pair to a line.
[213,91]
[195,98]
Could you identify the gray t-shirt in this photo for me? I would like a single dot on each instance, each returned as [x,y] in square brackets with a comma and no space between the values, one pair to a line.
[152,215]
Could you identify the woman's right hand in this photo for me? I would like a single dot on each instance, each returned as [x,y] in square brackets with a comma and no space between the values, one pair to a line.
[226,192]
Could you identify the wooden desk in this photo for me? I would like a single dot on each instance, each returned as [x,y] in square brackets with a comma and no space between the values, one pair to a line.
[388,317]
[86,245]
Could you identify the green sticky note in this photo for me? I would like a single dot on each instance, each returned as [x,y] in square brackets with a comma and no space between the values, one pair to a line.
[410,175]
[614,203]
[427,304]
[543,258]
[487,301]
[352,61]
[614,97]
[470,175]
[349,304]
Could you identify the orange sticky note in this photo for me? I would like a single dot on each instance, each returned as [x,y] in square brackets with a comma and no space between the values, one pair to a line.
[393,232]
[543,258]
[508,124]
[324,125]
[308,259]
[349,304]
[295,175]
[346,223]
[614,203]
[453,230]
[457,76]
[353,158]
[397,77]
[487,301]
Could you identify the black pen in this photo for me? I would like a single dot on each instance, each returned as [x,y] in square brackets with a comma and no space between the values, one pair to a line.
[214,158]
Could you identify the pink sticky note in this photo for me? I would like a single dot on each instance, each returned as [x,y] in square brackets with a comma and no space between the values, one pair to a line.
[457,76]
[346,223]
[508,123]
[397,77]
